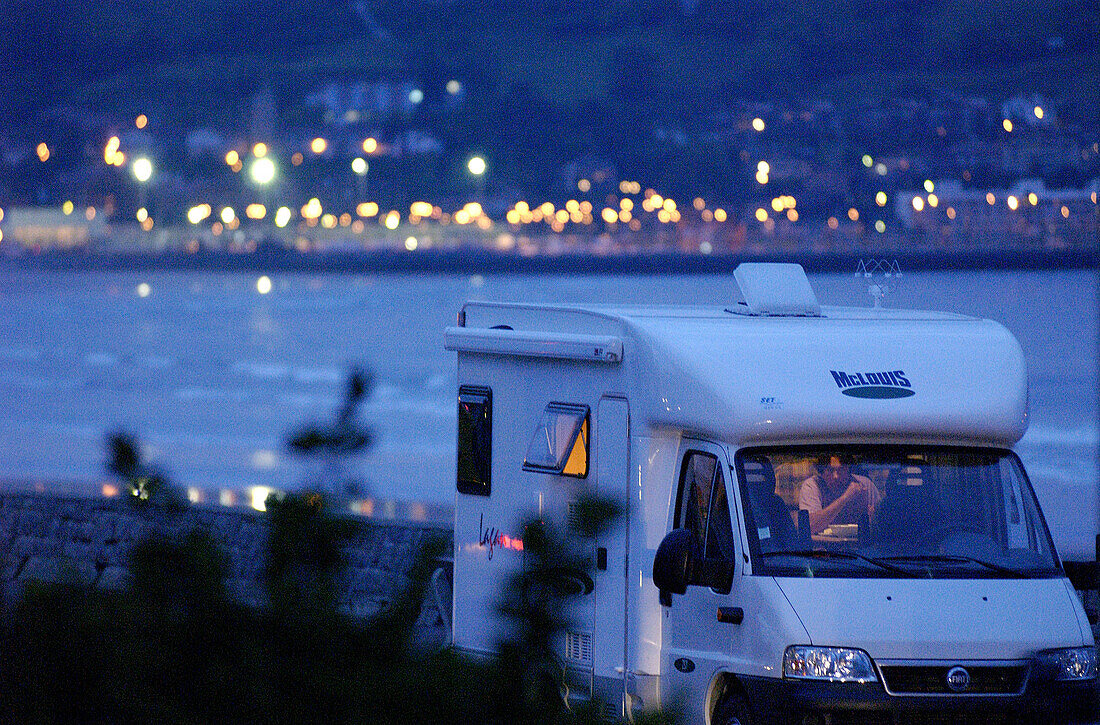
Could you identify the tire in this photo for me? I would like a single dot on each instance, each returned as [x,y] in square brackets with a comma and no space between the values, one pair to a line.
[734,710]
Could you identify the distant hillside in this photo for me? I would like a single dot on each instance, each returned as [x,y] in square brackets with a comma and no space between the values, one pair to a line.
[195,59]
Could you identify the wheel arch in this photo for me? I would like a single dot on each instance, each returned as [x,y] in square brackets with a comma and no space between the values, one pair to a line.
[725,683]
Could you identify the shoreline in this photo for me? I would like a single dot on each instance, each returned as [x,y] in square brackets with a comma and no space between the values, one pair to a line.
[446,262]
[372,508]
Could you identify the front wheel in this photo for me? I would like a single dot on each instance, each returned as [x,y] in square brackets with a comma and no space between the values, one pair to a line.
[734,710]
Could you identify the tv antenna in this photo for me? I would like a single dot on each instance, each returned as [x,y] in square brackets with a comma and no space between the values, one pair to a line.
[882,276]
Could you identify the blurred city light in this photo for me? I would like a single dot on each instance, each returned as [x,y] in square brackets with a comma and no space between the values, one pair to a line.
[259,150]
[312,209]
[263,285]
[142,169]
[111,154]
[282,216]
[262,171]
[359,165]
[370,146]
[1007,124]
[141,121]
[318,145]
[257,498]
[199,213]
[43,152]
[758,124]
[476,165]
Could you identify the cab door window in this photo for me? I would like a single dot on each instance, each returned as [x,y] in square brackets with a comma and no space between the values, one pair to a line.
[703,508]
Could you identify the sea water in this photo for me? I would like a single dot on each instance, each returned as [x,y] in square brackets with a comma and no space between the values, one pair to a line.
[212,372]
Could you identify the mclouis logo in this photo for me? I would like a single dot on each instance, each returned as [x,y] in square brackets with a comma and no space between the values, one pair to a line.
[880,385]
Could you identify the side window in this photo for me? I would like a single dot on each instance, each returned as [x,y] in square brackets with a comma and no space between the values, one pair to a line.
[719,530]
[703,509]
[475,439]
[696,482]
[559,444]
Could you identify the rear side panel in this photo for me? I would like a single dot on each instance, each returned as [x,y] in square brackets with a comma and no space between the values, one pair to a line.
[489,529]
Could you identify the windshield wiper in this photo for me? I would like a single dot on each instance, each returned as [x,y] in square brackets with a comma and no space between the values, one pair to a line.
[826,554]
[957,559]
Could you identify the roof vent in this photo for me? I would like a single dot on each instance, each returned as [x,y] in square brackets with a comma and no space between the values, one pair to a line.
[776,290]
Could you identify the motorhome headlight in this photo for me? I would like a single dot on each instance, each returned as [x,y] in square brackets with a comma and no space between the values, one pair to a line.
[835,664]
[1074,663]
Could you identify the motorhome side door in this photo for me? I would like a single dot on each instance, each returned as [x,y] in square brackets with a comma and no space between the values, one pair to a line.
[696,643]
[610,593]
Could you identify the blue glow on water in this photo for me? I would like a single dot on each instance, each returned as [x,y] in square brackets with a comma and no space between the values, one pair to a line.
[212,376]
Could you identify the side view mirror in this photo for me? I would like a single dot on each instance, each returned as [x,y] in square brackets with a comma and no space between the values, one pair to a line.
[675,562]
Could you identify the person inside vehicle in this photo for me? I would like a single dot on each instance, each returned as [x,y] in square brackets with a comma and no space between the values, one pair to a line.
[835,495]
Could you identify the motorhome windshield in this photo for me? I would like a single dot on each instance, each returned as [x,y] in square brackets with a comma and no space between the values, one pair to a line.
[897,511]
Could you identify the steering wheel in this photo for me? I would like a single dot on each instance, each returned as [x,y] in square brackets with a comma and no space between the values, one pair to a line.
[956,538]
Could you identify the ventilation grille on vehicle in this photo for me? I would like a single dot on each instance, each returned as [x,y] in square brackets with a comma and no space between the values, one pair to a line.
[578,647]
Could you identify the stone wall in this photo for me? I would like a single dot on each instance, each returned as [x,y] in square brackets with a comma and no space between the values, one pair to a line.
[88,540]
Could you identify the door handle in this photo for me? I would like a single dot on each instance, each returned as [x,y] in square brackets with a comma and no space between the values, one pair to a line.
[731,615]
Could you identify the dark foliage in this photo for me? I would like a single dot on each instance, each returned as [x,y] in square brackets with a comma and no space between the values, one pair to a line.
[175,648]
[328,444]
[144,483]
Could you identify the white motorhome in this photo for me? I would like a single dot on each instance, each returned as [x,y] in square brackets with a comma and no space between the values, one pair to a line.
[824,517]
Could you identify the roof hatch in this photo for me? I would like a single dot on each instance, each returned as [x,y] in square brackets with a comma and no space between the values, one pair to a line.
[776,290]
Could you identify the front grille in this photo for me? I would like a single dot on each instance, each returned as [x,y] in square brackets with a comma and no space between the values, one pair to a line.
[932,679]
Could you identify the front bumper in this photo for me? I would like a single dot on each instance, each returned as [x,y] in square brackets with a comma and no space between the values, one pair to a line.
[774,700]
